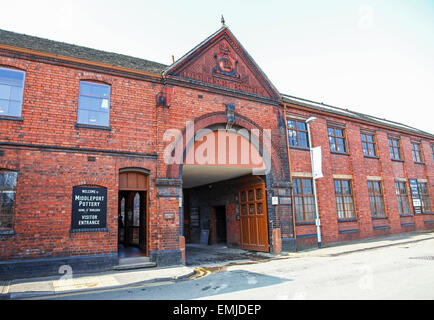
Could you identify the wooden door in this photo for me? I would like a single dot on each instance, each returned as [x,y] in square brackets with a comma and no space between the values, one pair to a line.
[133,187]
[142,224]
[254,222]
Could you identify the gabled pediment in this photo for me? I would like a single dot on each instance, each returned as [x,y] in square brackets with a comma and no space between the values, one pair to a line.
[221,62]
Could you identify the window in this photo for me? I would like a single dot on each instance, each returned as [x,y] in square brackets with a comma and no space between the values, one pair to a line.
[252,201]
[94,104]
[424,195]
[297,134]
[432,152]
[11,92]
[376,199]
[304,201]
[368,144]
[401,194]
[337,140]
[344,199]
[395,153]
[415,150]
[8,183]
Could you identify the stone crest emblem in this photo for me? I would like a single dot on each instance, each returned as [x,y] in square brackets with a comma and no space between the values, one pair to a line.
[226,63]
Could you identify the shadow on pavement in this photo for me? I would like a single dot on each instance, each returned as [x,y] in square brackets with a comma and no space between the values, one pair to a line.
[218,284]
[200,255]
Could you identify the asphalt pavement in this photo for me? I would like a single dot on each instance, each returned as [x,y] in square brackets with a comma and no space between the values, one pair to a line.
[201,261]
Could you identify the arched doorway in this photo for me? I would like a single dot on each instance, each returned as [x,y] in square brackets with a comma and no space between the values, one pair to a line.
[133,213]
[224,190]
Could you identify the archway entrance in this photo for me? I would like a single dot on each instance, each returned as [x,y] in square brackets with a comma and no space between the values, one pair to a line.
[132,214]
[225,202]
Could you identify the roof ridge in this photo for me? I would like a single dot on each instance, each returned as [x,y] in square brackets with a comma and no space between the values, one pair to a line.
[177,62]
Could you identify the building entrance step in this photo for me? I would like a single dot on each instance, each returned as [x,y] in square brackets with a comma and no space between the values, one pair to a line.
[134,263]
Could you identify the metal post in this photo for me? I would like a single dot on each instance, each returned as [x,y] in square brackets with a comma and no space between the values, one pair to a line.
[317,219]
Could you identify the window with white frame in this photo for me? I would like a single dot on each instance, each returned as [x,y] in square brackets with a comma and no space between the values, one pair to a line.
[94,104]
[11,92]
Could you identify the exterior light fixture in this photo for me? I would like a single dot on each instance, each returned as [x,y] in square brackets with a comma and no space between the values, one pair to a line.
[230,115]
[162,99]
[311,119]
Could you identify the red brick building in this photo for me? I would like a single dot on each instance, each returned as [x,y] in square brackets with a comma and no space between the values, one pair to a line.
[369,165]
[101,152]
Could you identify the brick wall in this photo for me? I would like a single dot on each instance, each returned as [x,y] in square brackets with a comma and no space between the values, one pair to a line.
[44,197]
[51,153]
[51,156]
[359,167]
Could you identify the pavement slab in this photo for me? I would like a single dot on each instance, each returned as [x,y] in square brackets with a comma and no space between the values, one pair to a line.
[84,283]
[19,289]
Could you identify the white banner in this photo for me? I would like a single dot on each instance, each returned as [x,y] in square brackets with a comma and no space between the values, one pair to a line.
[317,163]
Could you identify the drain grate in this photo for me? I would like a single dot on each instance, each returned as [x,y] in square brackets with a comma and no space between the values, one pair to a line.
[429,258]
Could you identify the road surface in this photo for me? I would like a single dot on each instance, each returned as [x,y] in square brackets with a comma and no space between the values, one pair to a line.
[398,272]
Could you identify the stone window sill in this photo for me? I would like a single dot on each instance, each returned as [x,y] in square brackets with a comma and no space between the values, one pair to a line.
[12,118]
[340,153]
[88,126]
[305,223]
[397,160]
[299,148]
[348,220]
[372,157]
[379,218]
[7,233]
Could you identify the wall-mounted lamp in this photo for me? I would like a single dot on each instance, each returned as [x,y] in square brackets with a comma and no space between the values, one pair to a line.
[230,115]
[165,96]
[311,119]
[162,100]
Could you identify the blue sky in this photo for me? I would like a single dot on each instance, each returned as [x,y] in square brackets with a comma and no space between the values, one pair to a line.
[375,57]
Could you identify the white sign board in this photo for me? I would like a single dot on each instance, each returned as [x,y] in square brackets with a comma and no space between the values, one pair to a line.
[317,163]
[417,203]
